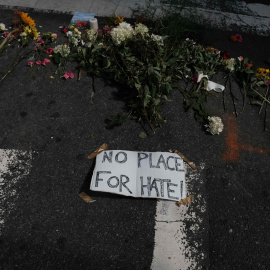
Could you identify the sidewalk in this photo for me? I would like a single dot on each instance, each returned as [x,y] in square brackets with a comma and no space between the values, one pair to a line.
[99,7]
[253,17]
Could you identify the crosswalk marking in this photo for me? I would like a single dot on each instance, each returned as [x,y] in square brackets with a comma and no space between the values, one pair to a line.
[14,165]
[172,250]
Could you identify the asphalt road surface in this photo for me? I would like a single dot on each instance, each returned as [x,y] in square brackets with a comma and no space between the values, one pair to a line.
[49,127]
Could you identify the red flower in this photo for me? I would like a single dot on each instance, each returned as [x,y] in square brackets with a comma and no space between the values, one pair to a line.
[238,38]
[64,29]
[81,24]
[38,62]
[49,51]
[267,82]
[195,78]
[225,55]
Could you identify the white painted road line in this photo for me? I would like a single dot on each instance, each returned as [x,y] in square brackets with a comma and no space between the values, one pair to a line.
[171,246]
[14,165]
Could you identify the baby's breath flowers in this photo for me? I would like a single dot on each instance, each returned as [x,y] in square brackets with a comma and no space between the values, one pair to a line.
[215,125]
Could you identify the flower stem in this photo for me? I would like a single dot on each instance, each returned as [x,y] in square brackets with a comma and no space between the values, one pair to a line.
[244,98]
[265,97]
[233,98]
[265,118]
[7,38]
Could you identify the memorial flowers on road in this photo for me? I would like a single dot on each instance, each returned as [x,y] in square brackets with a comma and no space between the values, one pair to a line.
[150,64]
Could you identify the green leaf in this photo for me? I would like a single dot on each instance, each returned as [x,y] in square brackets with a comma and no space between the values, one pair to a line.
[256,102]
[84,52]
[143,135]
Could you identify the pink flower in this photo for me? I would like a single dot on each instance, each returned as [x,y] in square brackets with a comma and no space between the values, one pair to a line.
[45,61]
[49,51]
[37,44]
[41,40]
[68,74]
[240,58]
[54,36]
[30,64]
[6,33]
[267,82]
[38,62]
[239,38]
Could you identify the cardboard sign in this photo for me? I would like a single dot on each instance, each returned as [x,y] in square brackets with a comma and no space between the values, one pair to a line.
[140,174]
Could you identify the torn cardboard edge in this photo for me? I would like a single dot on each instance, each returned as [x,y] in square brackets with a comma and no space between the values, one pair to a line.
[185,159]
[103,147]
[186,200]
[86,198]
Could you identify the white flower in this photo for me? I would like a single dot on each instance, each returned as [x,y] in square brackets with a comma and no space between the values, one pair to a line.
[121,33]
[23,34]
[140,28]
[215,125]
[92,35]
[2,27]
[64,50]
[157,39]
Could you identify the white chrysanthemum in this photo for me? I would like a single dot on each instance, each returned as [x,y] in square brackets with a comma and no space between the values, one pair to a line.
[91,35]
[229,63]
[2,27]
[121,33]
[215,125]
[64,50]
[140,28]
[158,39]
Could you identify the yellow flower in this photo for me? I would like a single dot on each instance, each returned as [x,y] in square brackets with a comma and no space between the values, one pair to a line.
[119,20]
[262,72]
[50,55]
[51,77]
[210,49]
